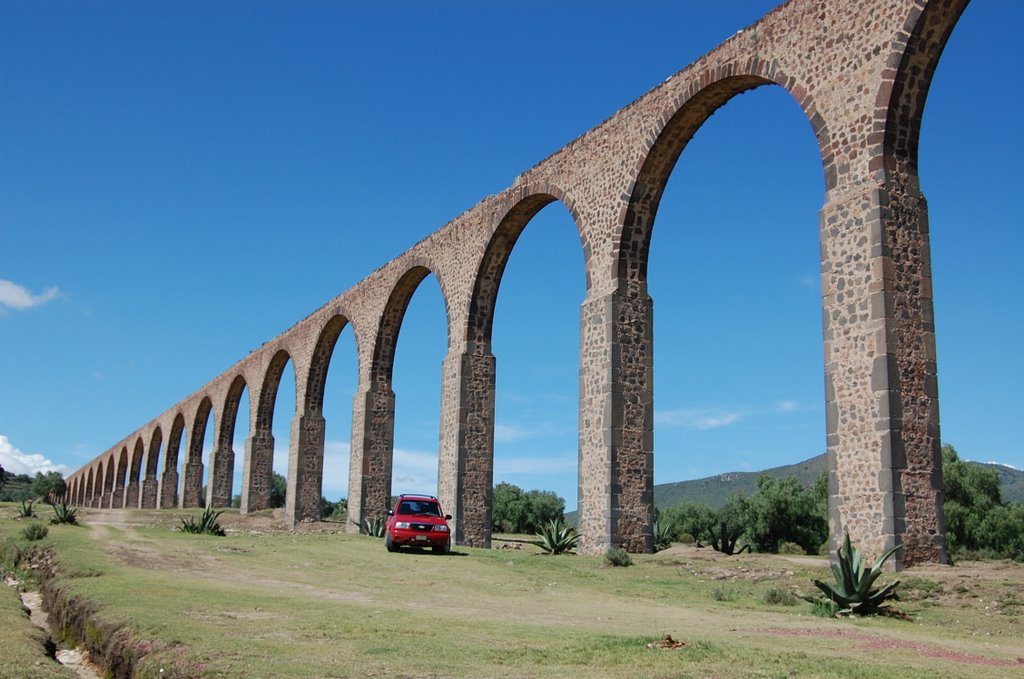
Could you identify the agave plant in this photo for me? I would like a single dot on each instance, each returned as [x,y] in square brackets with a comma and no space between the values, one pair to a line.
[557,537]
[374,527]
[25,511]
[62,513]
[852,591]
[664,532]
[206,523]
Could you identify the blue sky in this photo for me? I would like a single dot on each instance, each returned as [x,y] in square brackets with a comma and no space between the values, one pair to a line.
[182,181]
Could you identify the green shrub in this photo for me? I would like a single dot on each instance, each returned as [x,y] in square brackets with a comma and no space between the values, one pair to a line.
[617,556]
[35,531]
[823,608]
[779,596]
[206,523]
[852,591]
[724,594]
[62,513]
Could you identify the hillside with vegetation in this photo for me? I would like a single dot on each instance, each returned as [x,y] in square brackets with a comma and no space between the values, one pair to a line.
[715,491]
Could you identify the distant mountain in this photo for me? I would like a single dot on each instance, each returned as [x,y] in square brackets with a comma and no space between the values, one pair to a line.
[715,491]
[1011,481]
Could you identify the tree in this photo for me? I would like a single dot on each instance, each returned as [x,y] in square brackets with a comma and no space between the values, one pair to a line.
[517,511]
[278,490]
[782,510]
[972,492]
[48,486]
[689,518]
[977,519]
[3,476]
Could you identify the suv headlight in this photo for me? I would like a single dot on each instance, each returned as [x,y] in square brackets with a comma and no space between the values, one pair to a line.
[401,524]
[441,528]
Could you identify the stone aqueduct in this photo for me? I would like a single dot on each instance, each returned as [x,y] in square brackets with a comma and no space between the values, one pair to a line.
[860,71]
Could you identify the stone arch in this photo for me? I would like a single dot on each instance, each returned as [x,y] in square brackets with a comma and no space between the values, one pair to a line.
[108,482]
[268,389]
[530,200]
[468,390]
[222,462]
[373,427]
[900,101]
[259,462]
[320,361]
[675,128]
[169,479]
[121,476]
[89,491]
[386,340]
[191,493]
[150,485]
[306,459]
[132,495]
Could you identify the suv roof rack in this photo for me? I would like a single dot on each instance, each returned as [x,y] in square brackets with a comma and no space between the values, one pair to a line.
[416,495]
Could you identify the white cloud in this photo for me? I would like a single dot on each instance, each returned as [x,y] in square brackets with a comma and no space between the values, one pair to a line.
[506,433]
[786,406]
[696,418]
[14,296]
[16,462]
[1002,464]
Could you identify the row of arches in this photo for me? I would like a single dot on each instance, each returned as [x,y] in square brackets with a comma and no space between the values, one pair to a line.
[611,182]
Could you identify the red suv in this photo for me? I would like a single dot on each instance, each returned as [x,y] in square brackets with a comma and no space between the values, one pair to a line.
[417,521]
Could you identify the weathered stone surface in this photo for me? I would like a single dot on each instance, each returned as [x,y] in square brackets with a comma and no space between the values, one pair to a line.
[860,72]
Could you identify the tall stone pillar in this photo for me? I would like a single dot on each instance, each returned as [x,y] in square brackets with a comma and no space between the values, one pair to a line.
[466,465]
[131,498]
[192,489]
[882,418]
[169,488]
[150,488]
[616,444]
[222,471]
[373,437]
[305,468]
[257,471]
[117,497]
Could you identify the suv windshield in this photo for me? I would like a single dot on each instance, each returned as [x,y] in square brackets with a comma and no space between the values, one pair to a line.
[420,508]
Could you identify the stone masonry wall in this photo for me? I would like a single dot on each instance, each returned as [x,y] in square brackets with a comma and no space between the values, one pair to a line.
[860,71]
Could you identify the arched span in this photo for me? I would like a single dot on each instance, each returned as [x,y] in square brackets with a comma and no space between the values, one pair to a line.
[495,259]
[174,443]
[89,492]
[229,413]
[391,322]
[320,362]
[901,97]
[121,476]
[268,391]
[108,479]
[153,455]
[138,452]
[202,419]
[666,144]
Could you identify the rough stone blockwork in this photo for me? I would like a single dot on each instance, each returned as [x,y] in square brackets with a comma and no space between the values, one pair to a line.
[860,71]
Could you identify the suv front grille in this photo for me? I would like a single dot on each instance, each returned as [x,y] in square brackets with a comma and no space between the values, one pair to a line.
[422,526]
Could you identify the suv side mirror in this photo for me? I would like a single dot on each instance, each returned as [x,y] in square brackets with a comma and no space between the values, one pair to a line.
[391,512]
[447,517]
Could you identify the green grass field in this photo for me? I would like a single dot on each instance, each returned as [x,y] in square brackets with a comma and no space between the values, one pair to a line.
[323,603]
